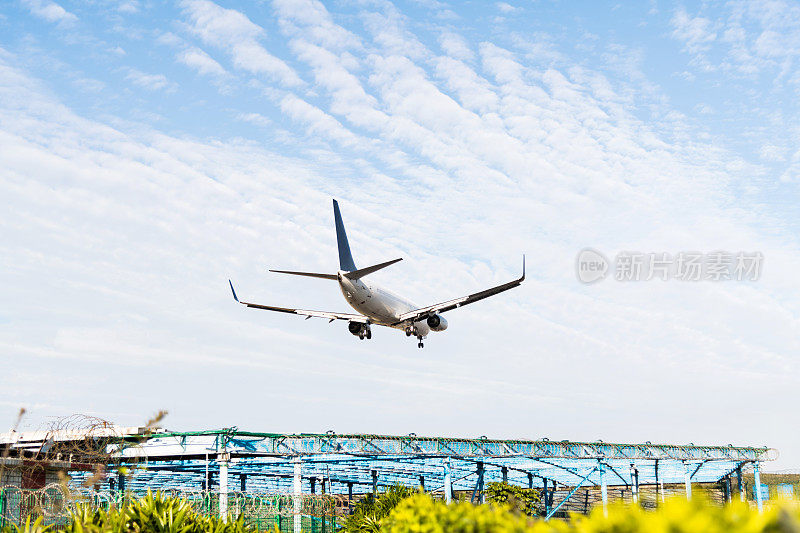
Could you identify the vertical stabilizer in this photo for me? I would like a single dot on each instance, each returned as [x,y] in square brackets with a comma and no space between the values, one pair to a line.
[345,257]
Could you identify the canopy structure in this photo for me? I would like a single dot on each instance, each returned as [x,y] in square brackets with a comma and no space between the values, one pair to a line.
[348,464]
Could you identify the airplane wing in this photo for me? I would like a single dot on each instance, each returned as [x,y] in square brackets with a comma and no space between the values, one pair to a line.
[308,314]
[424,312]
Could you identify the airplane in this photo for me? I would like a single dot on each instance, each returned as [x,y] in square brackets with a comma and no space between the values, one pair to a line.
[375,305]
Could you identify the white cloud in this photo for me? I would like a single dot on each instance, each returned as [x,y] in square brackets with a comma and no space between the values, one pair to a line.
[255,118]
[317,121]
[771,152]
[459,166]
[753,36]
[456,46]
[695,32]
[506,8]
[200,61]
[233,32]
[316,23]
[49,11]
[151,82]
[128,6]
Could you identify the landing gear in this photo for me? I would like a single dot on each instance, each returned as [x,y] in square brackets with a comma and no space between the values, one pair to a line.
[419,344]
[360,330]
[409,332]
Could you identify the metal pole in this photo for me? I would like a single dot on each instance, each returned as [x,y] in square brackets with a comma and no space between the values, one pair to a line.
[546,502]
[375,482]
[223,486]
[739,482]
[757,481]
[298,489]
[242,482]
[603,488]
[422,483]
[207,481]
[635,483]
[313,481]
[448,482]
[504,470]
[349,497]
[481,498]
[728,495]
[530,480]
[687,480]
[656,482]
[322,489]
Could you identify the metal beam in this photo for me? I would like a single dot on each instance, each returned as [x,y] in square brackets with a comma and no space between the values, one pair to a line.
[303,444]
[573,491]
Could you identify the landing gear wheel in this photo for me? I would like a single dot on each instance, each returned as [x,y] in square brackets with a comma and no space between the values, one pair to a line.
[420,345]
[369,334]
[361,336]
[408,332]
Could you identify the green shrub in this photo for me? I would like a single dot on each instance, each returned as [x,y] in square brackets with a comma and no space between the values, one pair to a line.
[37,526]
[519,500]
[153,513]
[369,512]
[421,514]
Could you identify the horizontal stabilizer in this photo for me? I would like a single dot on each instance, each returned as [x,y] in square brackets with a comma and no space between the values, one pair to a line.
[308,274]
[361,272]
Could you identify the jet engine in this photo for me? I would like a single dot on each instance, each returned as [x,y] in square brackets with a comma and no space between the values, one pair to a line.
[360,330]
[437,323]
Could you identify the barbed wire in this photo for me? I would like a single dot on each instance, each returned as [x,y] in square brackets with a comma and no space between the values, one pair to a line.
[55,503]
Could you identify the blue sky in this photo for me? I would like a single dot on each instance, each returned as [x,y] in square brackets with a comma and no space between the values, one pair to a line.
[151,150]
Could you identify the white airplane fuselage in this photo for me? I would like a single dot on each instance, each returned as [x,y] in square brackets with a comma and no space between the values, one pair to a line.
[380,306]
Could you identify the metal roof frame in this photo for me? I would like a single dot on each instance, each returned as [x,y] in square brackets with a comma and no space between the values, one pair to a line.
[264,462]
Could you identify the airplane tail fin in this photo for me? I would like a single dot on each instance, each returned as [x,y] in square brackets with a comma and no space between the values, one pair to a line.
[361,272]
[345,257]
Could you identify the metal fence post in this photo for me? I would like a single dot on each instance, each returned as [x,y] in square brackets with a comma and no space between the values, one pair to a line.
[448,482]
[603,488]
[757,482]
[739,482]
[687,480]
[223,486]
[298,489]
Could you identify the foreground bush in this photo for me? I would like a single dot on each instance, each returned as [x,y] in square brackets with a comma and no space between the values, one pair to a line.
[421,514]
[520,500]
[154,513]
[369,513]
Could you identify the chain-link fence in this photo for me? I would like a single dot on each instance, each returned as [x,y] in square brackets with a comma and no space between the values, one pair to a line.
[54,504]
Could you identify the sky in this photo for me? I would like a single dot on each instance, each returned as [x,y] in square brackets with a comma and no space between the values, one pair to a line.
[150,151]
